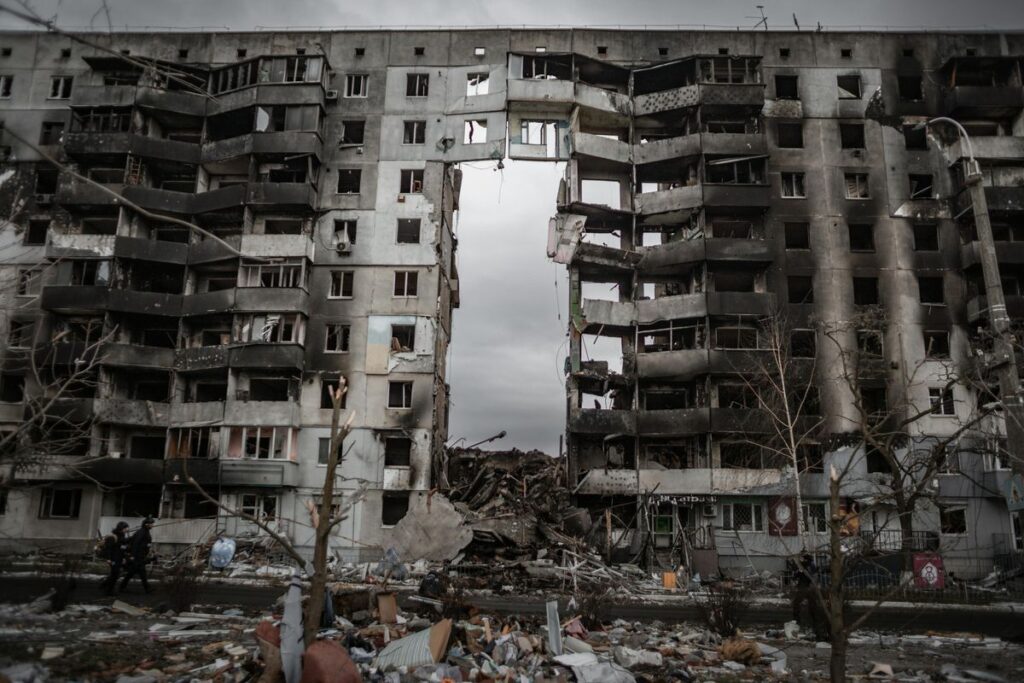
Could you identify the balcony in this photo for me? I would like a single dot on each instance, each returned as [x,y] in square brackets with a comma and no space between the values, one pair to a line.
[719,249]
[205,303]
[595,259]
[736,196]
[171,101]
[733,144]
[229,197]
[277,245]
[74,298]
[667,149]
[1011,253]
[200,358]
[543,91]
[102,95]
[143,249]
[299,92]
[144,303]
[984,101]
[258,473]
[255,299]
[283,195]
[203,470]
[677,202]
[200,414]
[210,250]
[155,199]
[281,413]
[724,94]
[132,412]
[990,147]
[694,481]
[60,246]
[260,355]
[137,356]
[977,308]
[680,422]
[72,192]
[280,143]
[598,154]
[90,144]
[126,470]
[595,421]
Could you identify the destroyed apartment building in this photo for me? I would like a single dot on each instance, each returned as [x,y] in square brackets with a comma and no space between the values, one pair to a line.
[728,198]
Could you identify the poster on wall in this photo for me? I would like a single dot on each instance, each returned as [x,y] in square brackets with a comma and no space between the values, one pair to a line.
[928,571]
[782,516]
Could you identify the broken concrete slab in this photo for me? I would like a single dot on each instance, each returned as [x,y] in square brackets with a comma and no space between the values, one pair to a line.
[436,532]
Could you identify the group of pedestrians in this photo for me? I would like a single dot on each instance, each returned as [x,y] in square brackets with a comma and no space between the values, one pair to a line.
[126,553]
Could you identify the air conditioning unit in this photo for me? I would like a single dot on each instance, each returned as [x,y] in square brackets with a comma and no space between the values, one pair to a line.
[344,247]
[708,510]
[331,96]
[43,199]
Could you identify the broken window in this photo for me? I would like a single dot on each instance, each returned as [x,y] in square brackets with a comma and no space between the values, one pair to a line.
[268,389]
[786,88]
[6,81]
[328,385]
[403,338]
[926,237]
[275,273]
[352,132]
[941,401]
[400,395]
[851,135]
[909,88]
[90,273]
[405,283]
[743,516]
[736,338]
[540,133]
[19,335]
[790,135]
[741,455]
[262,507]
[798,236]
[793,185]
[849,87]
[870,342]
[263,443]
[147,447]
[46,181]
[348,180]
[280,226]
[417,85]
[865,291]
[337,338]
[345,230]
[408,231]
[953,519]
[800,289]
[936,343]
[846,53]
[475,132]
[60,87]
[546,68]
[915,137]
[921,186]
[280,118]
[737,396]
[77,330]
[803,344]
[397,451]
[36,233]
[202,442]
[477,84]
[734,228]
[356,85]
[930,290]
[815,518]
[342,284]
[415,133]
[60,503]
[748,171]
[856,185]
[862,237]
[12,387]
[411,181]
[51,132]
[394,507]
[273,328]
[672,335]
[324,453]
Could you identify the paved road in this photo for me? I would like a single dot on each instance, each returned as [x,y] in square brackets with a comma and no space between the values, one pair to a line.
[1007,625]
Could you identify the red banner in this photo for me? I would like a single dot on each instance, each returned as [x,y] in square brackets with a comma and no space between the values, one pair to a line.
[928,571]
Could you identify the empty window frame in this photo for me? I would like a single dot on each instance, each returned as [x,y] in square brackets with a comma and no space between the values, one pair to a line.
[12,387]
[735,171]
[926,237]
[915,137]
[800,289]
[790,135]
[848,87]
[910,88]
[356,85]
[50,132]
[736,337]
[856,186]
[353,132]
[342,284]
[408,231]
[809,457]
[417,85]
[274,328]
[953,520]
[921,186]
[673,335]
[411,181]
[275,273]
[280,118]
[60,503]
[477,84]
[60,87]
[262,507]
[797,235]
[19,334]
[865,291]
[414,132]
[397,451]
[851,135]
[35,235]
[941,401]
[815,518]
[786,88]
[792,185]
[936,343]
[263,443]
[197,442]
[475,132]
[349,180]
[870,342]
[90,273]
[6,85]
[930,290]
[862,236]
[337,338]
[346,230]
[803,344]
[540,133]
[282,226]
[403,338]
[743,516]
[394,507]
[400,395]
[405,283]
[29,281]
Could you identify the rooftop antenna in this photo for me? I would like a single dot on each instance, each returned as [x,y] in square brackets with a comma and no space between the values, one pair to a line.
[795,22]
[763,18]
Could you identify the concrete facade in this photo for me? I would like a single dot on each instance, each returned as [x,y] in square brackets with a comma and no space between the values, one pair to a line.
[258,138]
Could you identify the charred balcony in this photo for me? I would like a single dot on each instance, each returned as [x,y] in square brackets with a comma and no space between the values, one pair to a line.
[90,145]
[983,86]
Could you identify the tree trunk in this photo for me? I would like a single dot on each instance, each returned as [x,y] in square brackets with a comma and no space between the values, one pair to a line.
[836,590]
[837,663]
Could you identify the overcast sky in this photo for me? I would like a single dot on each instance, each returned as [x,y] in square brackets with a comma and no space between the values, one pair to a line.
[509,334]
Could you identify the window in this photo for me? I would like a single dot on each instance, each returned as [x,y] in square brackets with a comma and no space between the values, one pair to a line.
[348,180]
[846,53]
[46,181]
[417,85]
[802,344]
[909,88]
[337,338]
[997,454]
[35,235]
[29,281]
[475,132]
[241,53]
[790,135]
[328,385]
[274,273]
[263,508]
[851,135]
[915,138]
[941,401]
[479,51]
[19,335]
[736,338]
[870,342]
[5,51]
[360,51]
[408,230]
[342,283]
[815,518]
[793,185]
[936,343]
[921,186]
[784,52]
[786,88]
[3,498]
[50,133]
[263,443]
[60,87]
[602,50]
[743,516]
[801,289]
[809,458]
[400,395]
[849,87]
[60,503]
[353,132]
[346,230]
[182,54]
[394,507]
[477,84]
[411,181]
[273,328]
[12,387]
[405,283]
[415,133]
[926,237]
[324,452]
[356,85]
[419,51]
[953,520]
[856,186]
[397,451]
[403,338]
[6,82]
[930,290]
[798,236]
[865,291]
[862,237]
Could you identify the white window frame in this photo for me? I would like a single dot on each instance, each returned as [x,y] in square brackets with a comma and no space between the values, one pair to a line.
[943,399]
[418,77]
[419,130]
[283,273]
[338,277]
[478,83]
[468,134]
[820,523]
[342,334]
[404,276]
[62,85]
[406,395]
[862,182]
[357,85]
[997,457]
[757,520]
[46,503]
[789,181]
[280,441]
[257,506]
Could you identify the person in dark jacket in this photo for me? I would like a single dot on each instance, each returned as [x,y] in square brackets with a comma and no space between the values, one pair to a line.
[112,550]
[805,591]
[138,555]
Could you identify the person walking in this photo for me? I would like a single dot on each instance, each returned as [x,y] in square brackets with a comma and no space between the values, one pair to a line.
[138,555]
[805,591]
[112,549]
